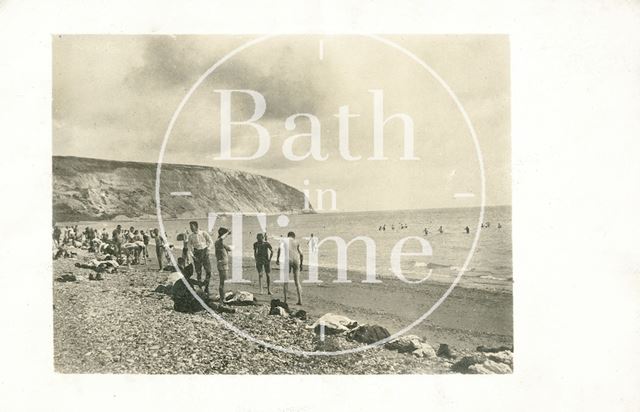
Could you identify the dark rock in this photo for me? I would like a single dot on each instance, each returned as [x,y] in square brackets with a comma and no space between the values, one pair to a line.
[183,300]
[220,308]
[462,366]
[368,334]
[494,350]
[300,314]
[166,289]
[277,303]
[67,278]
[444,351]
[407,343]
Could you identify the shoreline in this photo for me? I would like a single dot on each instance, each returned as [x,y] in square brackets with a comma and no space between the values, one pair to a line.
[154,218]
[467,318]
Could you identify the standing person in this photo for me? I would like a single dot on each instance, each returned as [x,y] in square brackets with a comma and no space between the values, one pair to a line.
[313,243]
[56,235]
[222,259]
[155,234]
[138,252]
[312,246]
[117,239]
[145,240]
[293,253]
[186,255]
[263,252]
[130,235]
[89,234]
[466,229]
[441,230]
[198,244]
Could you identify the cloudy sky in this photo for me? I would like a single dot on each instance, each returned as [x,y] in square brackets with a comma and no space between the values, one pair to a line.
[113,98]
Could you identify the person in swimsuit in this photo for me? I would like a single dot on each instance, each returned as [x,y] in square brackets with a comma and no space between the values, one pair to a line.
[263,252]
[155,234]
[222,259]
[295,256]
[145,240]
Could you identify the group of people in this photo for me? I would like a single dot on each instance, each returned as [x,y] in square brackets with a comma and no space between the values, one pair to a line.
[131,246]
[401,226]
[195,258]
[466,228]
[426,231]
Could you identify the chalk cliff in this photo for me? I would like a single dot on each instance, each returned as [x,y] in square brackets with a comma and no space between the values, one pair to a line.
[94,189]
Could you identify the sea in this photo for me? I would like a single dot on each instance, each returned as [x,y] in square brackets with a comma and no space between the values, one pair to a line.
[490,265]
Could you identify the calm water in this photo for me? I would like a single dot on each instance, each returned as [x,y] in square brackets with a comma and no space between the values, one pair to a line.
[491,264]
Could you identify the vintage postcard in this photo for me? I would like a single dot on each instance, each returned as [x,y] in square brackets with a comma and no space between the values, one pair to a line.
[295,204]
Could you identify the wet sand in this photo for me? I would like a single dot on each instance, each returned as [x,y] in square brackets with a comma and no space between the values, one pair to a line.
[466,319]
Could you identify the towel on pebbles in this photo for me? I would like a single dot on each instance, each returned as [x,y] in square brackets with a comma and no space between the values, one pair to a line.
[279,307]
[505,357]
[333,324]
[489,367]
[481,363]
[240,298]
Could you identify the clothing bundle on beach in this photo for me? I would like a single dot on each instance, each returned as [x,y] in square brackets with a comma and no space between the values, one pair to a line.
[333,324]
[240,298]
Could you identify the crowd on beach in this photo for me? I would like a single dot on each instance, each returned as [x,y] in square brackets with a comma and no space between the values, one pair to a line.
[131,247]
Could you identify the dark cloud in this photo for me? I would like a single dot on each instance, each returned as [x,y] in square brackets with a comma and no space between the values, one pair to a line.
[289,84]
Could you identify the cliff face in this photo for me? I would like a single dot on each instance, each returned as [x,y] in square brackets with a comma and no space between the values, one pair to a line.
[92,189]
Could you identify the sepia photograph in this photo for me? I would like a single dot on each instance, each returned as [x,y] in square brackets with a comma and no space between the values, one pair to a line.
[293,204]
[320,206]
